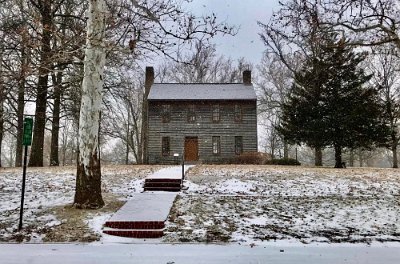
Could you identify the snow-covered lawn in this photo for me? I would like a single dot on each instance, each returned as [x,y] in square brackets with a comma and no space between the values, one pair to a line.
[252,204]
[49,193]
[244,204]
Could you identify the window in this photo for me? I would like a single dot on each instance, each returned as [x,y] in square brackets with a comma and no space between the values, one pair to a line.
[238,113]
[238,145]
[215,113]
[216,144]
[165,146]
[191,114]
[166,113]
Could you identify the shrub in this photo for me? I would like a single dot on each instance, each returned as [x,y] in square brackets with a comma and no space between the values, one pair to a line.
[258,158]
[290,162]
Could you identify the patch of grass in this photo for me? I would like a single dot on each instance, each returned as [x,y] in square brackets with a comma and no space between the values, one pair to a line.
[74,225]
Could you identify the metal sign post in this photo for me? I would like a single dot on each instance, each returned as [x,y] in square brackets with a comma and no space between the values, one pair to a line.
[26,141]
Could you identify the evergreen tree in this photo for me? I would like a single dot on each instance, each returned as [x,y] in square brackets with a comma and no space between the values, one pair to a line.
[330,104]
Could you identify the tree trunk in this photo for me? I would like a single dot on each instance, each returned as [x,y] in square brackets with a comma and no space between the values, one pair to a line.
[36,158]
[338,157]
[127,138]
[394,151]
[88,179]
[2,94]
[285,150]
[360,158]
[144,131]
[20,108]
[318,156]
[57,82]
[272,149]
[351,160]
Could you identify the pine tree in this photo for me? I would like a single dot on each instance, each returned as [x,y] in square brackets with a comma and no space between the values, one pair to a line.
[331,105]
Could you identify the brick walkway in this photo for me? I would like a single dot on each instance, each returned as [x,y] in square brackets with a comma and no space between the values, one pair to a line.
[145,214]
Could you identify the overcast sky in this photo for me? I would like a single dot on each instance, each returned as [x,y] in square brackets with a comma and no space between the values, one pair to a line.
[244,14]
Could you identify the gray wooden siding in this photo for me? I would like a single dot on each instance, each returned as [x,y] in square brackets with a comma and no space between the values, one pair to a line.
[204,128]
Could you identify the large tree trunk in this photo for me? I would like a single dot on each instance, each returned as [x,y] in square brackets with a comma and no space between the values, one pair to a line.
[36,158]
[2,94]
[21,107]
[338,157]
[144,131]
[88,179]
[318,156]
[20,122]
[57,82]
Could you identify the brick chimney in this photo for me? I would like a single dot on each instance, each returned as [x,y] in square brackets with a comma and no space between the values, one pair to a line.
[247,77]
[149,80]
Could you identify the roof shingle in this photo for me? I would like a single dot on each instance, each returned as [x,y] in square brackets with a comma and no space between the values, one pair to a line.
[201,91]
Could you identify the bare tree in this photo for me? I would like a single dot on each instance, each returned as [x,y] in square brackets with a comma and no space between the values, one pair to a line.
[203,65]
[88,179]
[46,12]
[367,23]
[386,68]
[273,87]
[122,115]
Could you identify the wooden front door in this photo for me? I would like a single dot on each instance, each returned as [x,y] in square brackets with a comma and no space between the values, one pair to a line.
[191,149]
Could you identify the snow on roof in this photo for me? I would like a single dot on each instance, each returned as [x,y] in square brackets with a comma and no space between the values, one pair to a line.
[201,91]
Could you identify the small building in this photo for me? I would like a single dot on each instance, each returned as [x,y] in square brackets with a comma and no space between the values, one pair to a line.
[204,122]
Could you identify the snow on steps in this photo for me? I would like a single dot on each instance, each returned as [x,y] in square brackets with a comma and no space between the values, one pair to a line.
[143,216]
[135,233]
[169,185]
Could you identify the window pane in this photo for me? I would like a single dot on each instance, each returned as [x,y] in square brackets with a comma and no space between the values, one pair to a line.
[165,146]
[238,113]
[215,113]
[216,145]
[238,145]
[191,114]
[166,113]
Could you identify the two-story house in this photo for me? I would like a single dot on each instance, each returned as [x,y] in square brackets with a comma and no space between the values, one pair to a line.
[205,122]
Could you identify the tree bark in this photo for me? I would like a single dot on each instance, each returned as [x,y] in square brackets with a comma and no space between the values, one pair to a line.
[318,156]
[351,160]
[127,137]
[144,131]
[36,157]
[285,150]
[21,107]
[88,179]
[2,94]
[394,151]
[57,82]
[360,158]
[338,157]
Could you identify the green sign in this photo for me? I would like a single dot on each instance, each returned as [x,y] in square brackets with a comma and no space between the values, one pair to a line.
[28,126]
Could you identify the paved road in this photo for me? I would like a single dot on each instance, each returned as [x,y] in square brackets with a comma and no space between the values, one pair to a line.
[194,253]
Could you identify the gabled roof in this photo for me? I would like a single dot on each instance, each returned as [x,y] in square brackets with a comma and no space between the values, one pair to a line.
[201,91]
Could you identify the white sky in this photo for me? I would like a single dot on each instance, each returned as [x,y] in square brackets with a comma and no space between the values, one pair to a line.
[242,13]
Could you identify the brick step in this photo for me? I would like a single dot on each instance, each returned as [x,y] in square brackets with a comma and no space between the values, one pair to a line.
[162,180]
[166,189]
[162,184]
[134,233]
[135,224]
